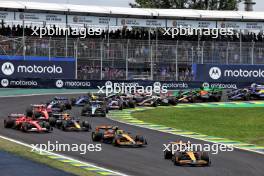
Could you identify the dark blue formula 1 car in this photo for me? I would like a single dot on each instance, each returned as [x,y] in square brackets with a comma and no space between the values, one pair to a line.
[257,91]
[63,101]
[254,92]
[80,101]
[239,94]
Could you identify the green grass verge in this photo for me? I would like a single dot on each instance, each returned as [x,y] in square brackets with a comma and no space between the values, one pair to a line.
[241,124]
[26,153]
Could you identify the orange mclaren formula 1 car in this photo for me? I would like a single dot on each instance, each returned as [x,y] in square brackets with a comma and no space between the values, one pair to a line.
[187,157]
[111,134]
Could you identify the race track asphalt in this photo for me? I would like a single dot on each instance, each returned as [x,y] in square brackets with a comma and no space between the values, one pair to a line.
[146,161]
[9,167]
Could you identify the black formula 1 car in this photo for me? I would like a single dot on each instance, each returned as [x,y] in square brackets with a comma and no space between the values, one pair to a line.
[67,123]
[95,109]
[111,134]
[187,157]
[26,124]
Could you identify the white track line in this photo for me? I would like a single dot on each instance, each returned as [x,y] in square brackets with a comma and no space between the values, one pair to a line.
[63,156]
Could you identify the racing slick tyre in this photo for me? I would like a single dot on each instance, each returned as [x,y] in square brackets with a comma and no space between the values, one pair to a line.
[58,124]
[247,97]
[193,99]
[176,158]
[141,139]
[29,112]
[85,109]
[52,121]
[155,104]
[64,125]
[167,154]
[73,101]
[37,115]
[173,101]
[205,157]
[9,123]
[215,99]
[25,127]
[131,104]
[86,125]
[68,106]
[47,126]
[115,142]
[104,114]
[97,136]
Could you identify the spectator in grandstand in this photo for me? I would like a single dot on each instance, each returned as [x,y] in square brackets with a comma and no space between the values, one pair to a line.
[139,34]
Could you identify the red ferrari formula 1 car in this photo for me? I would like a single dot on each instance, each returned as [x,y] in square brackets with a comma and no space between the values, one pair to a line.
[39,112]
[26,124]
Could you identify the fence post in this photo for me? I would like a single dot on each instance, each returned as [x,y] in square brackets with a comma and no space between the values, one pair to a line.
[127,59]
[66,45]
[252,53]
[202,54]
[192,55]
[23,39]
[227,54]
[101,66]
[49,48]
[151,63]
[240,47]
[176,61]
[76,58]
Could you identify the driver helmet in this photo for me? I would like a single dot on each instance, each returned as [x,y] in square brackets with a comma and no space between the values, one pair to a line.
[119,132]
[115,128]
[66,116]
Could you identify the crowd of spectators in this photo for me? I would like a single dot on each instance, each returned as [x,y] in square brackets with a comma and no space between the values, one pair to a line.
[139,51]
[87,72]
[138,34]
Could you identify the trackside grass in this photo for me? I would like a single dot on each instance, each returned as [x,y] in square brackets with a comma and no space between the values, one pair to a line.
[26,153]
[240,124]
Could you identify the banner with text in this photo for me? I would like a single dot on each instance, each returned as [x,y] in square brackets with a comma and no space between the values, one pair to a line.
[228,73]
[37,67]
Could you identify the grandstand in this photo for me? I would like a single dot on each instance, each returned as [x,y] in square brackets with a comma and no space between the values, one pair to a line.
[132,44]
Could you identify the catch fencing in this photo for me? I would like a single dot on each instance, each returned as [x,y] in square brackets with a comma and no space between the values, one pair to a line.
[109,59]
